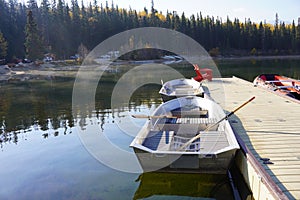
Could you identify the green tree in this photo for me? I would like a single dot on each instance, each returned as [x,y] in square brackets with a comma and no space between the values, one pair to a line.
[154,21]
[183,24]
[33,42]
[3,46]
[261,37]
[45,14]
[298,38]
[293,36]
[276,34]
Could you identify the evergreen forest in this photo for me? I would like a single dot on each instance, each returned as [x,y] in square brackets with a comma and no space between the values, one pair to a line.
[29,30]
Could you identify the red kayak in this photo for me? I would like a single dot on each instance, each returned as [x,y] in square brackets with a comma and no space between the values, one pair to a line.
[281,84]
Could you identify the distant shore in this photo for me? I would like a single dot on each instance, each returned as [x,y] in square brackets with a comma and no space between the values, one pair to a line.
[44,71]
[29,71]
[256,57]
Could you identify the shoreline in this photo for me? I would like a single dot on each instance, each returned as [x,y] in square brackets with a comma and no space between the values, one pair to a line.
[48,71]
[282,57]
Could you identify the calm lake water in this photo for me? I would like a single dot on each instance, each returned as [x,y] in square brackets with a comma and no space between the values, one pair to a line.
[42,156]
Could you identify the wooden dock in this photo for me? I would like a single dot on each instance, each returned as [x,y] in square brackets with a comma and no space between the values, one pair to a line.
[269,127]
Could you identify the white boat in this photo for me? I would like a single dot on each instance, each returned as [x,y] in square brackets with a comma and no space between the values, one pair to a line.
[164,142]
[180,88]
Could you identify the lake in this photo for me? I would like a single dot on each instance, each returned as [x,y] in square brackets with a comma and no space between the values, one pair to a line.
[42,142]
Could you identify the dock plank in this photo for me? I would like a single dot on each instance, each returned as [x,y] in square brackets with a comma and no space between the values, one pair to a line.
[269,126]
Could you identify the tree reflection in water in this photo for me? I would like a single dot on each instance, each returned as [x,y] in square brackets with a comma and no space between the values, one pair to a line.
[45,108]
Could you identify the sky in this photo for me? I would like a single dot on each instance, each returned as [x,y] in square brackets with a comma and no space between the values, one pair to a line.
[256,10]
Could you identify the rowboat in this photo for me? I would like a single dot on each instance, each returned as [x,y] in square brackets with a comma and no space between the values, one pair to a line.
[186,134]
[180,88]
[186,87]
[280,84]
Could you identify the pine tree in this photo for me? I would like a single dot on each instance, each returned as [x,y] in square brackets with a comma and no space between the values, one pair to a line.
[33,42]
[76,25]
[261,35]
[276,34]
[3,46]
[293,36]
[183,24]
[154,21]
[298,38]
[45,13]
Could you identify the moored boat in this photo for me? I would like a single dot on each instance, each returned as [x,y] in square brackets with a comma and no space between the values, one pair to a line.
[179,88]
[167,140]
[280,84]
[185,87]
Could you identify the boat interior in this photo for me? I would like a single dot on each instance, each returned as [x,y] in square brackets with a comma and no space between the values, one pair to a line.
[182,124]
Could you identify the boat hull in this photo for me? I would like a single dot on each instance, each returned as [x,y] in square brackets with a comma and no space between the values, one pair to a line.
[189,163]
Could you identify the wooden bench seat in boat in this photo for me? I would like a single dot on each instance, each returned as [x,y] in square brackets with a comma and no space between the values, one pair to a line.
[185,91]
[212,141]
[182,86]
[194,112]
[186,126]
[188,120]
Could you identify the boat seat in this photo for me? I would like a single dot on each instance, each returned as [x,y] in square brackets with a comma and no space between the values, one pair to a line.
[184,91]
[186,126]
[183,86]
[191,120]
[190,113]
[202,123]
[212,141]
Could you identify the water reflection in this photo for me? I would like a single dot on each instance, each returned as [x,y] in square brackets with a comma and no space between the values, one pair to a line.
[45,108]
[177,186]
[34,106]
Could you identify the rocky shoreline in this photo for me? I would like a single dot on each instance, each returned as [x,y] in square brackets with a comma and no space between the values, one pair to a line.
[31,71]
